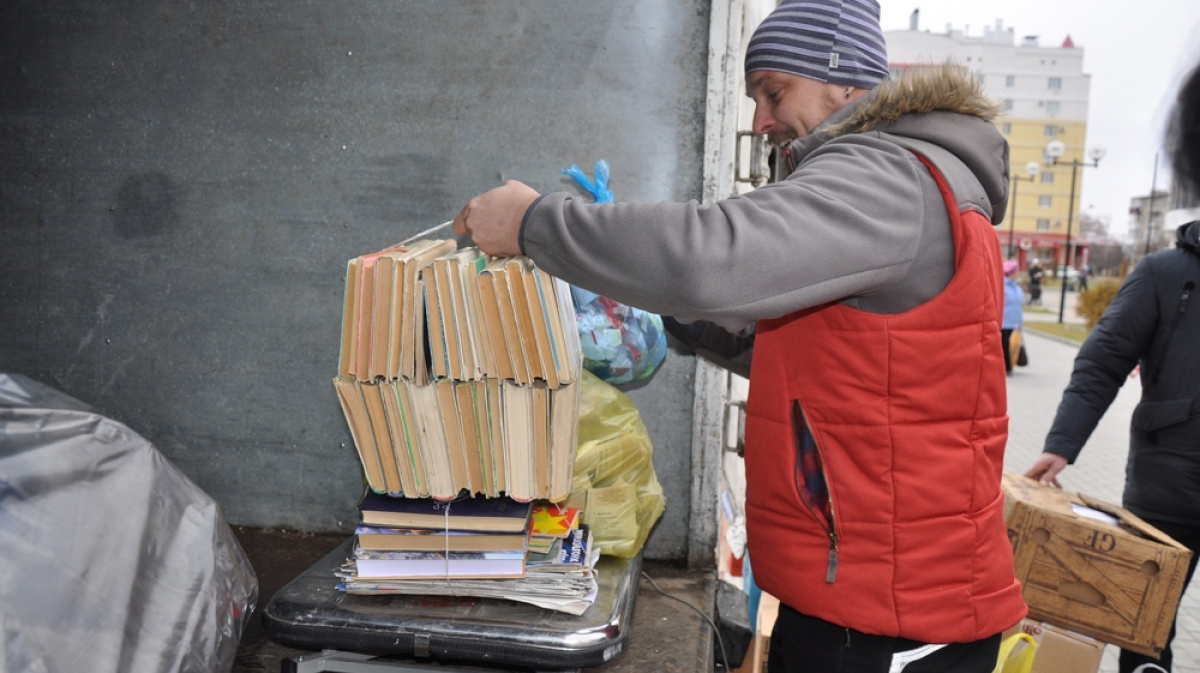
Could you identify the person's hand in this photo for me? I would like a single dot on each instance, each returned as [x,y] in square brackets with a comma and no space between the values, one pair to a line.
[1046,469]
[493,219]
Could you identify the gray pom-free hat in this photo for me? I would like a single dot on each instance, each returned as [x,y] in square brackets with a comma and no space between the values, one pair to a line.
[835,41]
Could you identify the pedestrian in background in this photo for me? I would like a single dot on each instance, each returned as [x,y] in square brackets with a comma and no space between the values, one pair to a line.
[1014,318]
[1152,323]
[1035,283]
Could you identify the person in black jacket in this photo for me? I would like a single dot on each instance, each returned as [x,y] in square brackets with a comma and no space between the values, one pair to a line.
[1152,322]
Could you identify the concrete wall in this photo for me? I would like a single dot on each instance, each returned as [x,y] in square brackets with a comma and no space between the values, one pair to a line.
[182,183]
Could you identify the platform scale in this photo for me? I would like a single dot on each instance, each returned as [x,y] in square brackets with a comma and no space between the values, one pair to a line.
[447,634]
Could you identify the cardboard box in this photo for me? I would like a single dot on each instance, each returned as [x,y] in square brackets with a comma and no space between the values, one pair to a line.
[1118,581]
[1059,650]
[1062,651]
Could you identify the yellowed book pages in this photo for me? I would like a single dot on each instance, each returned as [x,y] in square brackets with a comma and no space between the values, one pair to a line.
[564,438]
[483,429]
[495,422]
[448,406]
[564,333]
[464,392]
[412,427]
[381,317]
[366,313]
[540,323]
[401,437]
[383,436]
[412,343]
[434,449]
[482,350]
[347,355]
[366,294]
[540,419]
[399,296]
[523,347]
[446,273]
[518,436]
[439,366]
[508,319]
[355,409]
[489,302]
[459,265]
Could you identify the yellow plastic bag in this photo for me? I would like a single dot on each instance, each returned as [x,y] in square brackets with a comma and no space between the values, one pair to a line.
[614,480]
[1015,659]
[1014,348]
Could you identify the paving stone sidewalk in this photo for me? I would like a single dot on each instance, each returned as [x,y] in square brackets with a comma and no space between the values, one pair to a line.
[1033,396]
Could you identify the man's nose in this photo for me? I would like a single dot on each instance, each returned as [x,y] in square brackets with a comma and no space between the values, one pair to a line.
[763,122]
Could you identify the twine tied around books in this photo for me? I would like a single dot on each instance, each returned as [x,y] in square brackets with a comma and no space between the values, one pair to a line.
[446,537]
[425,233]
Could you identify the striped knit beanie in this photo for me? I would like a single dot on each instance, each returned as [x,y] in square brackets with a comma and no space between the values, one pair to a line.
[835,41]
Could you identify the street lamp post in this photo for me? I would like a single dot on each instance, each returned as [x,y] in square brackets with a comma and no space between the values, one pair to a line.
[1032,168]
[1054,151]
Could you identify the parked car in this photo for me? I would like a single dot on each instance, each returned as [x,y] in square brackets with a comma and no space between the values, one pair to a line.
[1070,276]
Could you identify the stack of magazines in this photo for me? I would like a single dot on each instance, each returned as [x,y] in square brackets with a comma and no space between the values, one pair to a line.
[534,553]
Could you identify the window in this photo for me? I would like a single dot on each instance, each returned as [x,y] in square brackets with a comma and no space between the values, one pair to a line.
[1050,130]
[1045,201]
[1007,128]
[1047,178]
[1051,108]
[1054,83]
[1010,81]
[1008,105]
[1043,225]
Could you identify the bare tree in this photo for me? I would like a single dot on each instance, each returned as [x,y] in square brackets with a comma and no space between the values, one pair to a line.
[1104,253]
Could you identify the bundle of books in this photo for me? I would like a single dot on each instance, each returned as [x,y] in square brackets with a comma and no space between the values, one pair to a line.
[459,372]
[474,547]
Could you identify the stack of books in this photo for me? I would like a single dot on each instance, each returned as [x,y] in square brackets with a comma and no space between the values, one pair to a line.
[472,546]
[459,372]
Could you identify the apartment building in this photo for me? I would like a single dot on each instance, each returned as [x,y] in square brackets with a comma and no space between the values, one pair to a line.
[1044,92]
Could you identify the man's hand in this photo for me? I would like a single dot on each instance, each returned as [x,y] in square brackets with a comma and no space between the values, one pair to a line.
[493,219]
[1046,469]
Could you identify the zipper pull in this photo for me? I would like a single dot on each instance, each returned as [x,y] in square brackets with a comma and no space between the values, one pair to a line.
[831,569]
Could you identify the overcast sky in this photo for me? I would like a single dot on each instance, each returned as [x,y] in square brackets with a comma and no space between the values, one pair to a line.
[1136,54]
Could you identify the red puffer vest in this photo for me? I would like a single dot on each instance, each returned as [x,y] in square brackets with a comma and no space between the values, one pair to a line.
[905,417]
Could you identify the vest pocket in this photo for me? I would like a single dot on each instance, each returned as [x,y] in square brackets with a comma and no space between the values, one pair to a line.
[812,484]
[1151,416]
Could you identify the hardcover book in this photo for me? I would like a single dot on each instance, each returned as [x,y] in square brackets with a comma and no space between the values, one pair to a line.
[475,513]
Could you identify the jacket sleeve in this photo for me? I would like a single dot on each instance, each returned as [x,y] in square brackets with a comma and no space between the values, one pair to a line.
[845,224]
[730,350]
[1112,350]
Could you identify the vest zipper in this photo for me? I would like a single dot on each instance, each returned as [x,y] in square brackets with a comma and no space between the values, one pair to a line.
[829,527]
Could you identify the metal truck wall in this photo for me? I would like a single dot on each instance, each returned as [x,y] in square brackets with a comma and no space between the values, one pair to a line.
[182,183]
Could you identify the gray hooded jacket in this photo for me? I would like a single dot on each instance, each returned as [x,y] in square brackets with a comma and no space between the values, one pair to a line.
[859,220]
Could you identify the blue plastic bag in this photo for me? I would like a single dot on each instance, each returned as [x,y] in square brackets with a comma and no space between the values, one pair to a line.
[621,344]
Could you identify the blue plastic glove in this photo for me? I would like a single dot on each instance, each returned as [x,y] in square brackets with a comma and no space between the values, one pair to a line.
[598,189]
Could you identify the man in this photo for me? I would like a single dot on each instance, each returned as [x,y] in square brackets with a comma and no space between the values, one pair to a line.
[871,272]
[1035,283]
[1152,322]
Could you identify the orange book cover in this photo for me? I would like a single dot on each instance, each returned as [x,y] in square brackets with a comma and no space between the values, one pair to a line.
[553,520]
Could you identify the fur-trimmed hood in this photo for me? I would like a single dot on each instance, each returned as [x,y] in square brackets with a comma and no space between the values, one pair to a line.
[1188,237]
[944,88]
[944,105]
